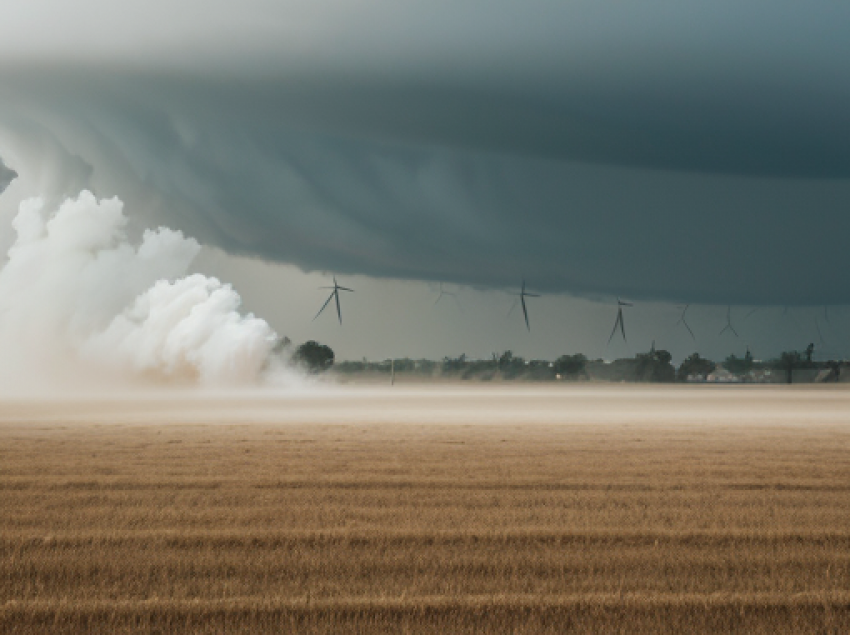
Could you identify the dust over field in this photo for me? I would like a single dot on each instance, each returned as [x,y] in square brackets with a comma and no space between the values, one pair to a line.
[429,510]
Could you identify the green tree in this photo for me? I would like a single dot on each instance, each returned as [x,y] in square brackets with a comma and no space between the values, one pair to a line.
[571,366]
[654,366]
[695,366]
[453,366]
[315,357]
[510,366]
[739,366]
[810,349]
[788,361]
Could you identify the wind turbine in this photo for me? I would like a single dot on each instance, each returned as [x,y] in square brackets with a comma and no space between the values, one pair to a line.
[334,295]
[820,335]
[682,320]
[448,293]
[523,294]
[729,326]
[619,321]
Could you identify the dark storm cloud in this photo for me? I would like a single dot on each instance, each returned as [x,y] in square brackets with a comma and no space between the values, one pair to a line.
[650,150]
[6,176]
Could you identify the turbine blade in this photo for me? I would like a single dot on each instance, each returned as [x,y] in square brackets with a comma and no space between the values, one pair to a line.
[513,306]
[623,327]
[525,313]
[734,331]
[614,330]
[338,310]
[689,329]
[345,289]
[323,307]
[820,335]
[439,297]
[532,295]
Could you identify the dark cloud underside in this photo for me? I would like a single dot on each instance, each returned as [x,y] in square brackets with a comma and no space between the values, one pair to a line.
[654,150]
[6,175]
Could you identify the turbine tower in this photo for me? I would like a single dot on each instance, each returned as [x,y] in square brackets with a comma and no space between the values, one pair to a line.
[334,295]
[523,294]
[619,321]
[729,326]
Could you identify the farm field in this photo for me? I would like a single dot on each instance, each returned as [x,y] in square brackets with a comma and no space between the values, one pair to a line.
[429,510]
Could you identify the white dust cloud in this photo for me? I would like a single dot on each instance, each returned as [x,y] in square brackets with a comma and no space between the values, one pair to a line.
[81,306]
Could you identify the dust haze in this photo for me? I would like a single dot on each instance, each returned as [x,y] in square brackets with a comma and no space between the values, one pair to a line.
[82,307]
[603,406]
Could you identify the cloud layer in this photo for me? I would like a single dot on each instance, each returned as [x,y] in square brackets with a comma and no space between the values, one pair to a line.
[664,152]
[7,175]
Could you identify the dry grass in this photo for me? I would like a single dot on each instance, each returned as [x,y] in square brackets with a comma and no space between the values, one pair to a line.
[424,529]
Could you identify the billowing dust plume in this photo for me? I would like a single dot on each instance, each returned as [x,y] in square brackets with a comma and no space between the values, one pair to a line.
[80,305]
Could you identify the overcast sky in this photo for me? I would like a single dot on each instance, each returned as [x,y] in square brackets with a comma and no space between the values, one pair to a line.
[667,152]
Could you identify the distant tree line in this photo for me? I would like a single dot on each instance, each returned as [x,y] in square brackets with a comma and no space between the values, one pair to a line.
[654,366]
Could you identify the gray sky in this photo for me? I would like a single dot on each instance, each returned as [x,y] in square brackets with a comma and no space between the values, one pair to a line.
[666,152]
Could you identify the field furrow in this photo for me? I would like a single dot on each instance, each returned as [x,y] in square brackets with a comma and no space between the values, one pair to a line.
[264,528]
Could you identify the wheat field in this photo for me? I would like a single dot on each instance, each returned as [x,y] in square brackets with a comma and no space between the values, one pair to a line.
[244,518]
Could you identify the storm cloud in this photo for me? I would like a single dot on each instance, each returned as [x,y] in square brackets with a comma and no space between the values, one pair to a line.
[657,151]
[6,176]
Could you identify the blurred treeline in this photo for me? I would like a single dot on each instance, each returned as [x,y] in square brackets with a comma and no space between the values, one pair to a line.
[653,366]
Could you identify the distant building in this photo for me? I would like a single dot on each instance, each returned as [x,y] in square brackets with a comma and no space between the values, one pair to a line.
[722,376]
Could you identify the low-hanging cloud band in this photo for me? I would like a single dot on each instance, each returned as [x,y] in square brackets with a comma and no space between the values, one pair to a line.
[653,160]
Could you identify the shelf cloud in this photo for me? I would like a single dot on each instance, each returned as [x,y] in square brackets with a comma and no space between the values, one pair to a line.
[660,151]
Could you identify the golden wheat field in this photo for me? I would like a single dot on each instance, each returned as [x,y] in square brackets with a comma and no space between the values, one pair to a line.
[429,510]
